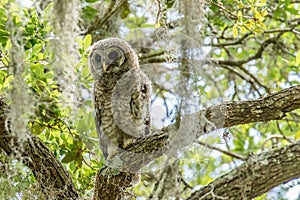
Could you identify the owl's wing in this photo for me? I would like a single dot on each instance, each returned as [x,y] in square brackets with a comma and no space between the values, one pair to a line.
[140,102]
[131,103]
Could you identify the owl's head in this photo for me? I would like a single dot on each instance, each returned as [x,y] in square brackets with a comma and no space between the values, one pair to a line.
[111,55]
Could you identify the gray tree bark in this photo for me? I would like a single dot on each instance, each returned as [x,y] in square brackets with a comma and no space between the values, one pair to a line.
[259,174]
[55,182]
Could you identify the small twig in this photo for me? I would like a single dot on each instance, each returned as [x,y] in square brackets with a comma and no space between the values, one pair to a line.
[158,11]
[85,162]
[151,55]
[280,131]
[186,183]
[249,80]
[234,155]
[255,79]
[108,13]
[276,136]
[155,188]
[239,41]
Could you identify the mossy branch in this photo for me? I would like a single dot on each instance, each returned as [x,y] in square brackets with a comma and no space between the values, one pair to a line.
[259,174]
[53,179]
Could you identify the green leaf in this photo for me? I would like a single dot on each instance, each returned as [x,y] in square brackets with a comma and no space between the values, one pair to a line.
[298,58]
[279,12]
[41,85]
[36,49]
[264,12]
[89,13]
[235,31]
[30,28]
[240,14]
[3,33]
[28,45]
[292,11]
[81,126]
[257,15]
[70,156]
[91,1]
[3,37]
[297,136]
[85,71]
[7,82]
[258,30]
[240,5]
[87,41]
[38,128]
[126,11]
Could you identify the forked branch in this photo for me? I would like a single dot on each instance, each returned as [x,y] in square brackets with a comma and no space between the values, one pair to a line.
[271,107]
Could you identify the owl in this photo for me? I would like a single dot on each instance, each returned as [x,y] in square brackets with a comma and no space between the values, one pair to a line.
[121,95]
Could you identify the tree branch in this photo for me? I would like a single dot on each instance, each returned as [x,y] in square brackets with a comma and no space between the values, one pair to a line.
[134,157]
[110,184]
[257,175]
[100,21]
[271,107]
[228,153]
[257,55]
[48,171]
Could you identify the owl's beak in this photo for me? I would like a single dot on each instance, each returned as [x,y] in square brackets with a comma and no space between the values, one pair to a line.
[105,66]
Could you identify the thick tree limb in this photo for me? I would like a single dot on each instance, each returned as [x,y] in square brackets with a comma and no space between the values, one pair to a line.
[257,55]
[228,114]
[271,107]
[111,186]
[257,175]
[48,171]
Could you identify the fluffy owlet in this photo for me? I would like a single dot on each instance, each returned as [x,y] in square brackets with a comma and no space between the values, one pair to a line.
[121,95]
